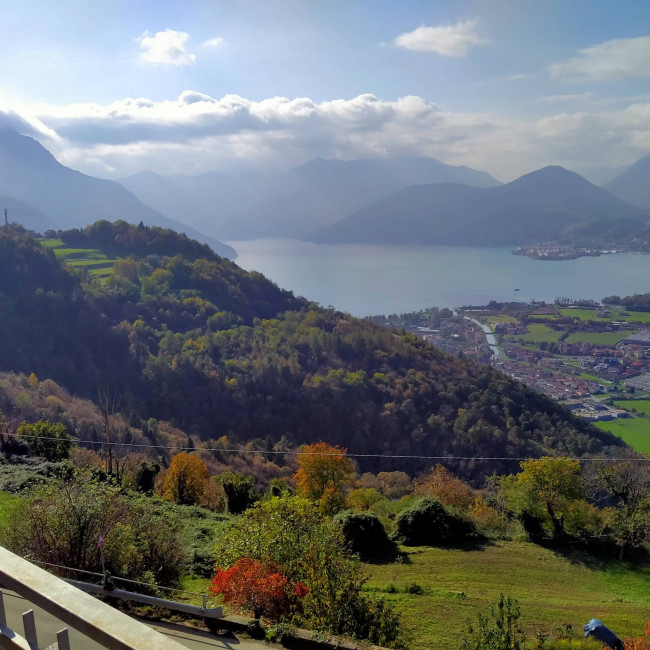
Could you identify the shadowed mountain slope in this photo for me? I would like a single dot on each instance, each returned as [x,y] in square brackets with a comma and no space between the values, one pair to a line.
[70,199]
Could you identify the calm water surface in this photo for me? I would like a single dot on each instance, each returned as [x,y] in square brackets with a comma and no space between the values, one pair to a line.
[366,280]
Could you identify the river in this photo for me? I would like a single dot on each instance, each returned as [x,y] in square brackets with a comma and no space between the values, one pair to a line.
[368,279]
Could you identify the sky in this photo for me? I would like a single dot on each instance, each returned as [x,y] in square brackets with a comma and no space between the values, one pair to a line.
[505,86]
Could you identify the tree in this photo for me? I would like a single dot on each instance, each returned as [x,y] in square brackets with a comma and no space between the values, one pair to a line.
[47,439]
[324,471]
[395,485]
[426,522]
[365,535]
[444,486]
[363,498]
[545,491]
[629,483]
[185,479]
[238,491]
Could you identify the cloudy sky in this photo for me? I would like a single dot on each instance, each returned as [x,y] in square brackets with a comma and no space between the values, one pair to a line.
[506,86]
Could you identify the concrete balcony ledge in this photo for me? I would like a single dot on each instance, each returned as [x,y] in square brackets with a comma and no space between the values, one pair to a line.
[80,611]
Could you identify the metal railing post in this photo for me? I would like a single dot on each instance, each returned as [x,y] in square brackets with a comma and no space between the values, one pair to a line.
[63,639]
[30,627]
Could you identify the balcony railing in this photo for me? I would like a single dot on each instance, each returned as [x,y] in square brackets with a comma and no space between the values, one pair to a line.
[103,624]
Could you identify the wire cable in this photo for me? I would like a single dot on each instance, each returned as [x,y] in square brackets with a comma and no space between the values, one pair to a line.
[310,453]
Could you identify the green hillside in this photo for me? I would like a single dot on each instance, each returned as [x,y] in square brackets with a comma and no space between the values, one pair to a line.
[183,335]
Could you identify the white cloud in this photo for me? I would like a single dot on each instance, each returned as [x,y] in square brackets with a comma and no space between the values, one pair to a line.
[196,132]
[448,40]
[214,42]
[624,58]
[166,47]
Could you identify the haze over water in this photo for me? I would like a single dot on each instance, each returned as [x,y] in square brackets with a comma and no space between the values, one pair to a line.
[367,280]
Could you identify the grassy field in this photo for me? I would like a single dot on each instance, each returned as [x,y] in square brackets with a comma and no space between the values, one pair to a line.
[552,589]
[502,318]
[7,502]
[640,405]
[538,333]
[615,314]
[634,431]
[93,260]
[598,338]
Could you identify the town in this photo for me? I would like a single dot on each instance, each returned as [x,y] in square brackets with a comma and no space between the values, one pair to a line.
[594,358]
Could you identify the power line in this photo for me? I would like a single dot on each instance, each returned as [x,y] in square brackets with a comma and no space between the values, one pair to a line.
[309,453]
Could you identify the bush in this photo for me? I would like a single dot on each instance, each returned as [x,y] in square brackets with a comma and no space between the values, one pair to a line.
[498,629]
[365,535]
[427,523]
[306,547]
[59,522]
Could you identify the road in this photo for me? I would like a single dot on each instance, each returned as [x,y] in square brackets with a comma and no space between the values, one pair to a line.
[47,626]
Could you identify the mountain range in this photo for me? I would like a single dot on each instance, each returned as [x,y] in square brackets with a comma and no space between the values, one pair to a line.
[551,204]
[292,204]
[401,200]
[44,194]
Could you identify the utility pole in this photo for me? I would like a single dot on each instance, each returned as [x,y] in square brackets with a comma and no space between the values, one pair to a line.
[6,219]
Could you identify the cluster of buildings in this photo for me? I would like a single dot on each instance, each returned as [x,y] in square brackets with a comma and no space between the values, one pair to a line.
[593,411]
[559,385]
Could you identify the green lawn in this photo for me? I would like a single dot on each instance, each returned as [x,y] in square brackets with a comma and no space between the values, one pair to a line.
[502,318]
[598,338]
[615,314]
[640,405]
[91,259]
[634,431]
[582,314]
[538,333]
[7,503]
[552,589]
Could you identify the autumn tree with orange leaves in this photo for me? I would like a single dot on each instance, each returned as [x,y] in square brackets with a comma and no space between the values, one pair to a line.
[185,479]
[324,472]
[251,585]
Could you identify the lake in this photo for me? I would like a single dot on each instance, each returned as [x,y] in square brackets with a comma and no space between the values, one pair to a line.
[367,279]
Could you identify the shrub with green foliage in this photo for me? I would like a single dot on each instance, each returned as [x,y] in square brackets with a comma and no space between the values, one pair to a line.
[47,439]
[427,523]
[365,535]
[238,491]
[291,534]
[59,522]
[498,629]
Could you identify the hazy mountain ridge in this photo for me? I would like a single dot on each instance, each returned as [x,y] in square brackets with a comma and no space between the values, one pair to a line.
[633,185]
[546,205]
[71,199]
[294,203]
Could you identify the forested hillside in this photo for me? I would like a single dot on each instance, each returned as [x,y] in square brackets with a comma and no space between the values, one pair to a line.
[180,334]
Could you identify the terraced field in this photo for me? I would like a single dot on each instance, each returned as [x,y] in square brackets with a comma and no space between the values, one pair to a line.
[94,261]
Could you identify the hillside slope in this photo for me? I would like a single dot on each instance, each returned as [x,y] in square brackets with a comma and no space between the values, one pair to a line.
[221,352]
[633,185]
[546,205]
[70,199]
